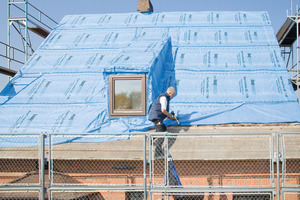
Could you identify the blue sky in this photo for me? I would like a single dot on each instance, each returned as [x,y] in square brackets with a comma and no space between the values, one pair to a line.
[57,9]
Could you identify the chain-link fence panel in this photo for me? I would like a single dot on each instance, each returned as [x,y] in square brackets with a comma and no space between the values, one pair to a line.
[150,161]
[212,161]
[291,160]
[103,160]
[19,195]
[97,195]
[211,196]
[291,195]
[19,159]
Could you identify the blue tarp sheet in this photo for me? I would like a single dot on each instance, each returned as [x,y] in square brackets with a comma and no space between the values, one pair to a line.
[225,66]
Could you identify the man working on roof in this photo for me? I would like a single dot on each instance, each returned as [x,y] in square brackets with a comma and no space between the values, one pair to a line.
[158,112]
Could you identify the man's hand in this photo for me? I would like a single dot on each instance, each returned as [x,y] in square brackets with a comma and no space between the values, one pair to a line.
[174,116]
[169,115]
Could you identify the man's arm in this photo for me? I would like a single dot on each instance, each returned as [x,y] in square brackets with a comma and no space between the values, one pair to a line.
[163,102]
[169,115]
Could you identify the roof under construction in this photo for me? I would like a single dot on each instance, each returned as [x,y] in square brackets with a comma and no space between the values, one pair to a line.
[287,34]
[225,66]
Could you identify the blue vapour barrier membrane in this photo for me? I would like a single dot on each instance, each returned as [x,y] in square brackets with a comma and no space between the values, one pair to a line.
[225,66]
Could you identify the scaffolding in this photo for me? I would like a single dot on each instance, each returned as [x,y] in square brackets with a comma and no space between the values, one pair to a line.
[288,39]
[22,18]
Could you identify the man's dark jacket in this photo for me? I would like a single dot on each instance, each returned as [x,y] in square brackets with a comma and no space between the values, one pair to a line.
[155,111]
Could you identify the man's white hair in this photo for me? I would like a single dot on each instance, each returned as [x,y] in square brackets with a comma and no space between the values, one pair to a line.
[171,89]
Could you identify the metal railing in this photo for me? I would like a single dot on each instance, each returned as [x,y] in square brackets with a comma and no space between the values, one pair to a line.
[5,54]
[150,166]
[37,17]
[23,16]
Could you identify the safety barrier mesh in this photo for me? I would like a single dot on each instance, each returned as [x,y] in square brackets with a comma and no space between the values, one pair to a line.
[19,195]
[98,194]
[212,161]
[291,195]
[290,165]
[19,162]
[212,195]
[112,163]
[166,166]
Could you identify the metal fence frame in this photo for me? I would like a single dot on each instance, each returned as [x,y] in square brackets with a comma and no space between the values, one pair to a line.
[40,187]
[211,135]
[286,189]
[279,189]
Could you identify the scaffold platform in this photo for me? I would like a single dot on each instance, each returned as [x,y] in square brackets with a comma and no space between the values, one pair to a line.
[287,34]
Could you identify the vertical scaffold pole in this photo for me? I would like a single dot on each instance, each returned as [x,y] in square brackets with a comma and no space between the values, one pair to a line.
[8,35]
[291,7]
[150,142]
[145,166]
[167,160]
[49,164]
[26,30]
[277,167]
[297,81]
[42,166]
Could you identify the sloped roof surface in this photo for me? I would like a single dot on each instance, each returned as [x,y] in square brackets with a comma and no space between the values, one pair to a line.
[228,69]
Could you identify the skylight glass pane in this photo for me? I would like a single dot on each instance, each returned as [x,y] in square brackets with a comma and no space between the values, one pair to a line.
[128,94]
